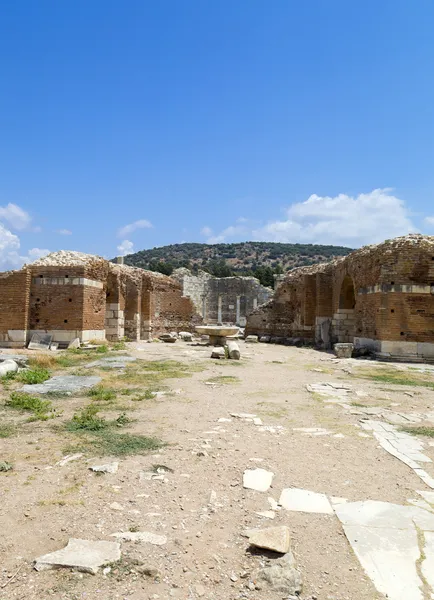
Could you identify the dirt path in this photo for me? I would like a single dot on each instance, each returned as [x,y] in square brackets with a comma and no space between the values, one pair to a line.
[199,503]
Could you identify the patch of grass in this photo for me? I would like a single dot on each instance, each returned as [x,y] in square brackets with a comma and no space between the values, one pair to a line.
[7,430]
[427,431]
[110,443]
[395,377]
[119,346]
[224,379]
[146,395]
[152,373]
[101,393]
[5,466]
[33,376]
[41,409]
[87,420]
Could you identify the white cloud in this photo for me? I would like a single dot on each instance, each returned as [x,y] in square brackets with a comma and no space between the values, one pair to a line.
[125,247]
[429,220]
[10,256]
[140,224]
[64,231]
[16,217]
[339,220]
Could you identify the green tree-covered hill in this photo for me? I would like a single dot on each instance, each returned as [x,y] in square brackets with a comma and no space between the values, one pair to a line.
[260,259]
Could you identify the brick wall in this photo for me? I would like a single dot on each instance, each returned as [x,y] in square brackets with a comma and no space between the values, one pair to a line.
[14,302]
[390,288]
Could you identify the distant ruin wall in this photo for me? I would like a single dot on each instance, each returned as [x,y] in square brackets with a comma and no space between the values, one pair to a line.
[379,297]
[222,299]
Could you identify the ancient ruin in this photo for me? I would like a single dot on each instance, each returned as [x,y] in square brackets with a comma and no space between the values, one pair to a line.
[74,295]
[226,300]
[381,298]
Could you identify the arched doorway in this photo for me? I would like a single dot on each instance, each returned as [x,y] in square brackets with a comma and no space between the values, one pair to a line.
[347,297]
[344,321]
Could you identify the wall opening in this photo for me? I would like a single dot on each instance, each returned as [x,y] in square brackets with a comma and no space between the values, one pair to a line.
[347,297]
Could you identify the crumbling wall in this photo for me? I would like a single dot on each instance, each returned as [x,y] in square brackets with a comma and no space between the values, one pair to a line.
[170,310]
[381,297]
[223,299]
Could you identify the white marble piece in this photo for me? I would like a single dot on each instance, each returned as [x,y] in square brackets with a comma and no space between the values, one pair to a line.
[428,496]
[257,479]
[384,538]
[299,500]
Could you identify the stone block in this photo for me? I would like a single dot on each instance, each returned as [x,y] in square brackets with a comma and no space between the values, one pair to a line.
[399,348]
[343,350]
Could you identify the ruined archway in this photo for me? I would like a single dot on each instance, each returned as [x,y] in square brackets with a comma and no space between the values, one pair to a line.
[347,297]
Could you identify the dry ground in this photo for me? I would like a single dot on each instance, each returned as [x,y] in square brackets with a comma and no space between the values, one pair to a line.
[42,504]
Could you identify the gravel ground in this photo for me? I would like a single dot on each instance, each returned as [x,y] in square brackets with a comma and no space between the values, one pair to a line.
[199,502]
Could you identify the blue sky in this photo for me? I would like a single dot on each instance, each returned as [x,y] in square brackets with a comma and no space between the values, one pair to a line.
[138,123]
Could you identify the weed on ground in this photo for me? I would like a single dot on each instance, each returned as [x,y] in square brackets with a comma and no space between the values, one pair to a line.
[224,379]
[427,431]
[391,376]
[102,393]
[33,376]
[41,409]
[7,430]
[5,466]
[111,443]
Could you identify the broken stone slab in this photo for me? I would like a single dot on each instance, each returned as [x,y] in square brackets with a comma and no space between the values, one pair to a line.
[108,468]
[390,540]
[186,336]
[8,366]
[252,339]
[343,350]
[168,338]
[84,555]
[141,536]
[257,479]
[234,350]
[40,341]
[67,384]
[218,352]
[75,343]
[112,362]
[282,576]
[265,339]
[54,346]
[276,539]
[299,500]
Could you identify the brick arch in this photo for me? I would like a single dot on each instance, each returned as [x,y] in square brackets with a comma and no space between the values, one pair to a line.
[347,295]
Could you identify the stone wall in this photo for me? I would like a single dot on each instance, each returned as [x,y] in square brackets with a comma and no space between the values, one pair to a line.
[227,300]
[380,297]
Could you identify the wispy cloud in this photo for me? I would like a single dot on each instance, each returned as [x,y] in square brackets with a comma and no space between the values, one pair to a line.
[16,217]
[140,224]
[125,247]
[429,221]
[64,231]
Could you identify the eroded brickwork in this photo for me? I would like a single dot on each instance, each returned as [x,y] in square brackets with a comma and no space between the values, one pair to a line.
[379,297]
[95,299]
